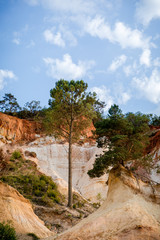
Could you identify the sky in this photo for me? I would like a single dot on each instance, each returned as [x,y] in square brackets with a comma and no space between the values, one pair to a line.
[113,45]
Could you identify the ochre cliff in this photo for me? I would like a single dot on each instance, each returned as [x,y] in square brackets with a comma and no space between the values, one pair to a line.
[128,213]
[15,129]
[15,208]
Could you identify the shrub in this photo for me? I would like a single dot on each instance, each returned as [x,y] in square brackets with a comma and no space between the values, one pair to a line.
[7,232]
[34,237]
[16,155]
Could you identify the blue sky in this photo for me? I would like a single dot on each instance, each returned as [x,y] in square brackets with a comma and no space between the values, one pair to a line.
[113,45]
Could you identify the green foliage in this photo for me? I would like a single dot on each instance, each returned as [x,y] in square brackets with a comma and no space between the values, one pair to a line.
[125,137]
[32,107]
[98,108]
[7,232]
[35,187]
[71,110]
[34,237]
[154,120]
[9,104]
[16,155]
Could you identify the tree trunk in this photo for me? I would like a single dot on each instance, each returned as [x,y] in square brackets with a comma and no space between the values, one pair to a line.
[70,198]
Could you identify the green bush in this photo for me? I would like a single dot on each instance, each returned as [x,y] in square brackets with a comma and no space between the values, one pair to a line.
[16,155]
[7,232]
[51,193]
[34,237]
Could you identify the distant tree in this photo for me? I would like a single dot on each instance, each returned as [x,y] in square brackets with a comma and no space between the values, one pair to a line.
[99,109]
[155,120]
[9,104]
[71,112]
[124,139]
[32,107]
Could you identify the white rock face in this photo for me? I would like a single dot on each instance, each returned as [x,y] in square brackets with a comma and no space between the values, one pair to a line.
[52,159]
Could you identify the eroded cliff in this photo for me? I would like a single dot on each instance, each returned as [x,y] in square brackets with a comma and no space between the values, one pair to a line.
[13,129]
[128,213]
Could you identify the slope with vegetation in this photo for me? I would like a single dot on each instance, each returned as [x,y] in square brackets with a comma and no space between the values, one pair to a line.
[48,203]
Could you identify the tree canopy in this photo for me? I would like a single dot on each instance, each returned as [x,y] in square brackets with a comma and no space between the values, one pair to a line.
[124,139]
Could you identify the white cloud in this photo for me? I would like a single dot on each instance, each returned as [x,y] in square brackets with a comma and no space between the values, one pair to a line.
[54,38]
[16,41]
[145,58]
[118,62]
[5,74]
[127,37]
[103,94]
[127,70]
[66,69]
[121,33]
[149,87]
[68,36]
[73,6]
[147,10]
[123,97]
[97,27]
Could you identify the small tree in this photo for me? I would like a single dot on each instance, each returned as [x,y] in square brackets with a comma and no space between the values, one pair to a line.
[9,104]
[33,106]
[124,139]
[71,112]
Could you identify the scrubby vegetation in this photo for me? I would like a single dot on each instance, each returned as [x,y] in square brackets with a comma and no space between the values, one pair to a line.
[48,203]
[23,175]
[7,232]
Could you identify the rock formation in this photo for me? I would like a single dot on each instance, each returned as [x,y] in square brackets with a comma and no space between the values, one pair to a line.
[15,208]
[129,213]
[14,129]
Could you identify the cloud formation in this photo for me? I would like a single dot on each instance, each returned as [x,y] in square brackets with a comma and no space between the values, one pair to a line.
[16,41]
[66,68]
[149,87]
[116,63]
[5,74]
[121,34]
[103,94]
[78,6]
[54,38]
[145,58]
[123,97]
[147,10]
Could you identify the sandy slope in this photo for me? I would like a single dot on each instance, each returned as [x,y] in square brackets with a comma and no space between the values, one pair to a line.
[127,214]
[15,208]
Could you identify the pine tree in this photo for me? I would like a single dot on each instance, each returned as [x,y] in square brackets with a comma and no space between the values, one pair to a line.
[71,112]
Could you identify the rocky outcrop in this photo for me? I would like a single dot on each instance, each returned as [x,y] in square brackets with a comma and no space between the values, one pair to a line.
[15,208]
[15,130]
[129,213]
